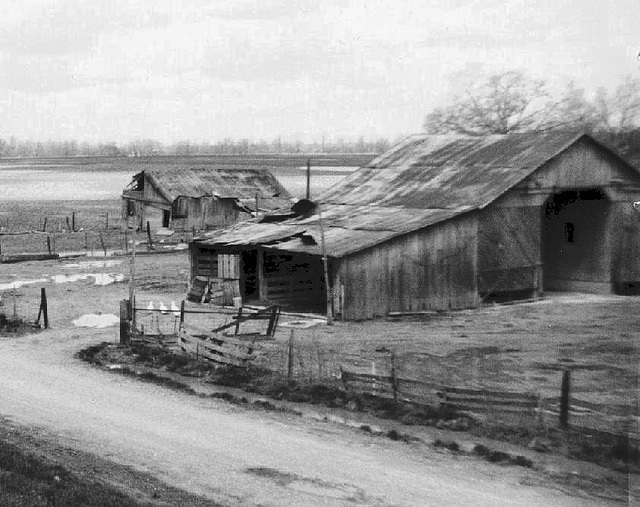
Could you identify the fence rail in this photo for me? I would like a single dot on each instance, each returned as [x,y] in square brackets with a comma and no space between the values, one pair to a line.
[500,404]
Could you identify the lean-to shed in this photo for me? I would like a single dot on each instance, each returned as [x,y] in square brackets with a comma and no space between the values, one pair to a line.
[440,223]
[200,198]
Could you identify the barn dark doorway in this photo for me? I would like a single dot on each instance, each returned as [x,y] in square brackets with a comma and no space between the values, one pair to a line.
[249,275]
[575,251]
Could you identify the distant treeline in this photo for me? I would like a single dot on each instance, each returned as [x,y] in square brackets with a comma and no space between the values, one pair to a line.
[627,143]
[144,148]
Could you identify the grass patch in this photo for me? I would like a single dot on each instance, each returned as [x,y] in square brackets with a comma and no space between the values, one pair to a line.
[450,445]
[493,456]
[28,480]
[92,354]
[396,435]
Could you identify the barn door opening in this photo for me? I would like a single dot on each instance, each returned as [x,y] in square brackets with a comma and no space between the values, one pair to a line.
[575,251]
[249,275]
[294,281]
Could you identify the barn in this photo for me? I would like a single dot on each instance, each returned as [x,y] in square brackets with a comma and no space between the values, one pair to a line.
[441,223]
[199,198]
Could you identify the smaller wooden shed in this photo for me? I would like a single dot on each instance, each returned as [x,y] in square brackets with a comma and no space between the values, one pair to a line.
[200,198]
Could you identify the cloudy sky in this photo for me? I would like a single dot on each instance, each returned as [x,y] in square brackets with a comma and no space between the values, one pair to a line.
[119,70]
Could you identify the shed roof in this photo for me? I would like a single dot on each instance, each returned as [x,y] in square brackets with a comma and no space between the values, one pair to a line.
[240,184]
[417,183]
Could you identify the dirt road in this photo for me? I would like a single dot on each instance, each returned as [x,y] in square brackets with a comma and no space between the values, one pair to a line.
[232,455]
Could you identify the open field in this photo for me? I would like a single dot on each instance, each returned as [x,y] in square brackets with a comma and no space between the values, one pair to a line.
[101,178]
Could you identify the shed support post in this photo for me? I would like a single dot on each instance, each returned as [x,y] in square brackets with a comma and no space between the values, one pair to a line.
[564,398]
[262,284]
[125,321]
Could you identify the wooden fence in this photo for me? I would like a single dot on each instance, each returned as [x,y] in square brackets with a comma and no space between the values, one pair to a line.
[433,394]
[234,343]
[220,349]
[501,405]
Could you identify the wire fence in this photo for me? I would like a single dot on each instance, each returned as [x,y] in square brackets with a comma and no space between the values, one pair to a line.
[72,228]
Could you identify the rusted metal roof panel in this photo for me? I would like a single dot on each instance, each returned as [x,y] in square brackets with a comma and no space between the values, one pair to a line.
[448,172]
[240,184]
[347,229]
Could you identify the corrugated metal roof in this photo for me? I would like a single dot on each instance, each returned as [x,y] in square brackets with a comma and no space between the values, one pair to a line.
[448,172]
[240,184]
[347,228]
[417,183]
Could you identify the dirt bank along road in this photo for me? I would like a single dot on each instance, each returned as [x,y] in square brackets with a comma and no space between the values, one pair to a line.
[221,451]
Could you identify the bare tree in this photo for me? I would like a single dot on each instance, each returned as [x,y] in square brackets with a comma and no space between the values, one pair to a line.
[507,102]
[621,111]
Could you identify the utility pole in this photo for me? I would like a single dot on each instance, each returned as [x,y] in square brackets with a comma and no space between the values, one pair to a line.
[308,178]
[327,285]
[132,271]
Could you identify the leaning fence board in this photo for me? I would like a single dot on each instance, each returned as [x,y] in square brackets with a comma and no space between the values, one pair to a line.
[223,350]
[196,349]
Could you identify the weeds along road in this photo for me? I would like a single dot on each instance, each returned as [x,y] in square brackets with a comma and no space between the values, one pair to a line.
[233,455]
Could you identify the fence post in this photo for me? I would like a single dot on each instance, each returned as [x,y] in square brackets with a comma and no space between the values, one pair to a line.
[181,315]
[106,222]
[43,311]
[149,242]
[73,221]
[49,244]
[290,358]
[125,316]
[104,248]
[564,398]
[44,225]
[394,378]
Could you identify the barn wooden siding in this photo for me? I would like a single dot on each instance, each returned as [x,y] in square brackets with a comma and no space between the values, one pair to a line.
[146,206]
[203,261]
[429,269]
[207,213]
[606,251]
[625,255]
[200,213]
[509,255]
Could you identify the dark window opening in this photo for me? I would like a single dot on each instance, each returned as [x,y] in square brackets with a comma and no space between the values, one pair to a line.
[131,208]
[166,218]
[569,229]
[179,208]
[250,274]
